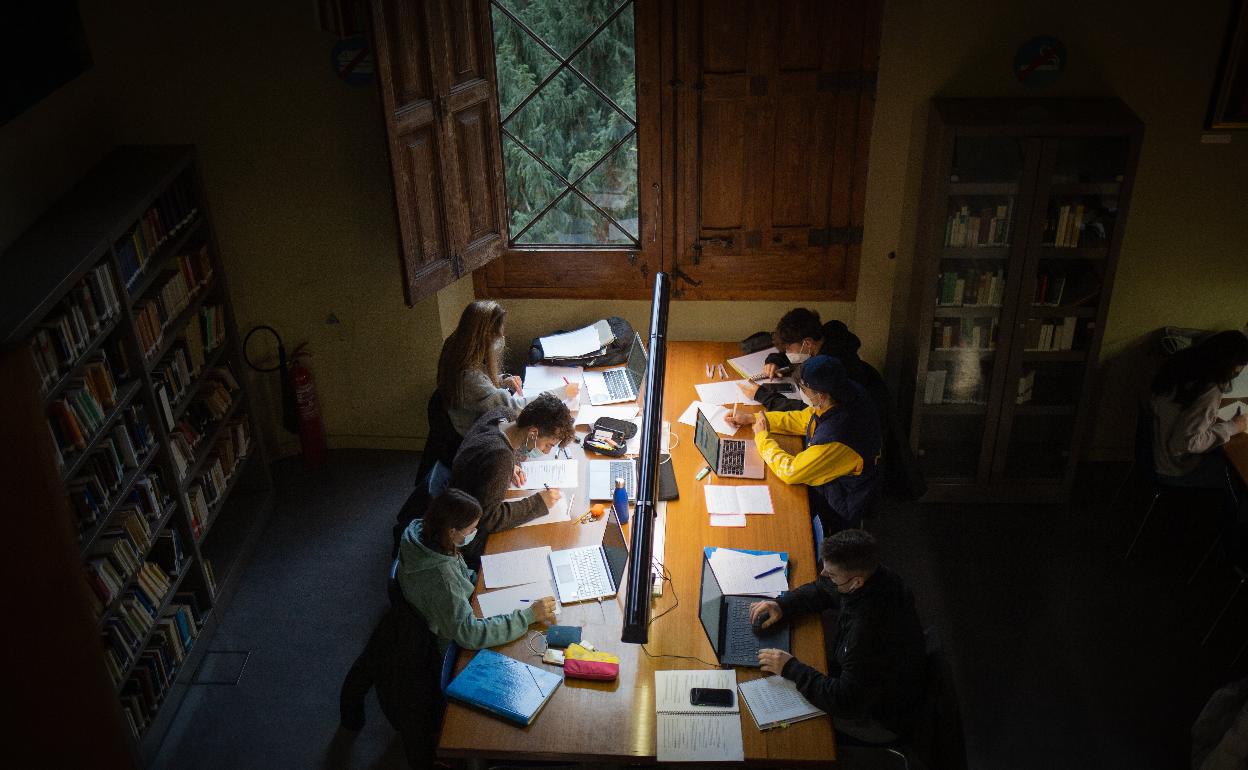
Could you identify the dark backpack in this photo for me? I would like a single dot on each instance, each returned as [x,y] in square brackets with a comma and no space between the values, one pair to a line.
[616,352]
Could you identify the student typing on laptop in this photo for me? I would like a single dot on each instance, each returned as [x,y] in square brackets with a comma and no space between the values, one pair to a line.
[840,447]
[875,676]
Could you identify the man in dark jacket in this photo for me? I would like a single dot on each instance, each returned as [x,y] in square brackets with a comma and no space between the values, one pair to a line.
[799,336]
[875,678]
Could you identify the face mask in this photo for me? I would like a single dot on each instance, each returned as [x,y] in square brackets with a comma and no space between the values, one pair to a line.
[468,539]
[499,344]
[534,453]
[797,358]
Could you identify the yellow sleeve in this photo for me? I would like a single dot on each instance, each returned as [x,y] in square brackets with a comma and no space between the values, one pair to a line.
[790,423]
[814,465]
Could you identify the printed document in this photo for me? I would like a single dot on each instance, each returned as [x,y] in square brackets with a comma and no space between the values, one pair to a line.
[775,702]
[514,568]
[751,498]
[556,474]
[689,733]
[542,378]
[737,572]
[723,392]
[507,600]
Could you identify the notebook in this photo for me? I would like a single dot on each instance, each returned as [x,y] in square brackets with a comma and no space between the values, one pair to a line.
[504,686]
[775,702]
[688,733]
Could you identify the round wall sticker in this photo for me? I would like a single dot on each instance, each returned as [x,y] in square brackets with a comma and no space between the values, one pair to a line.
[1040,61]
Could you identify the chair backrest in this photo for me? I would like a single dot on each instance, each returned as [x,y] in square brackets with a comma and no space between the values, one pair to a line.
[1145,425]
[936,734]
[442,434]
[392,585]
[448,664]
[816,530]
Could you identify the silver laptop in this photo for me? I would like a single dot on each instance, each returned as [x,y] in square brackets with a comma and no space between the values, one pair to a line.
[730,457]
[621,383]
[593,571]
[602,476]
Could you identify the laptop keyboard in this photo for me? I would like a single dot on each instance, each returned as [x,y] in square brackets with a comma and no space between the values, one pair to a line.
[588,570]
[739,638]
[731,457]
[624,470]
[618,384]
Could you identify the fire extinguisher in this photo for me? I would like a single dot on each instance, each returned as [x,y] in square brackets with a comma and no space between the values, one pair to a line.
[301,410]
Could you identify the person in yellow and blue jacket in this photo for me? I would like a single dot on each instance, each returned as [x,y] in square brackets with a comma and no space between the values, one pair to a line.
[841,443]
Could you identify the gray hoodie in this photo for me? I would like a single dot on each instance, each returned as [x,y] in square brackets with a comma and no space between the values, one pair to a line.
[440,588]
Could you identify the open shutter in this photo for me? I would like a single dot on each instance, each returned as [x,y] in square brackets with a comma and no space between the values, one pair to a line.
[435,64]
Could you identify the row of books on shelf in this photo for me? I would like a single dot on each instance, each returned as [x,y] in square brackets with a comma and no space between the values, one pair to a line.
[1074,224]
[210,486]
[955,384]
[961,288]
[177,371]
[83,407]
[212,404]
[69,330]
[985,226]
[964,333]
[197,421]
[155,312]
[117,554]
[173,209]
[146,497]
[160,661]
[1054,334]
[98,481]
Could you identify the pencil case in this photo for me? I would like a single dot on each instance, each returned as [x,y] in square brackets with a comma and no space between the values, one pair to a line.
[605,440]
[580,663]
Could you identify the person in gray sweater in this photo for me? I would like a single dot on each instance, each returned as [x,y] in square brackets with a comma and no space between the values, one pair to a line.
[488,462]
[469,368]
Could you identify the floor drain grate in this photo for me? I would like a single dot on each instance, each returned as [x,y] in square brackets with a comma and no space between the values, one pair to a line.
[221,667]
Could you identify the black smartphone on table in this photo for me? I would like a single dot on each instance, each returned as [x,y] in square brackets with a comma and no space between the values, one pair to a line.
[710,696]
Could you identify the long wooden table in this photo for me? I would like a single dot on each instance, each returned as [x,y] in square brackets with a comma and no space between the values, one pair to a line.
[604,722]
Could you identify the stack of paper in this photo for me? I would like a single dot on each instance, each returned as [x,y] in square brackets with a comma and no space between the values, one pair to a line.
[556,474]
[775,702]
[514,568]
[557,514]
[688,733]
[737,572]
[751,365]
[748,498]
[728,392]
[589,340]
[507,600]
[542,378]
[716,415]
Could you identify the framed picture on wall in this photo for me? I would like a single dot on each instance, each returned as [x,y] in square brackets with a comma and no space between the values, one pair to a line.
[1230,97]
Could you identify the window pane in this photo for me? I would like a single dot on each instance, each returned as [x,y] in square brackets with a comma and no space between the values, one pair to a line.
[580,121]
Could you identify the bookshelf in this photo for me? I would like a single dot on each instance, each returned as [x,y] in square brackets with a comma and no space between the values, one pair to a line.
[1023,207]
[118,330]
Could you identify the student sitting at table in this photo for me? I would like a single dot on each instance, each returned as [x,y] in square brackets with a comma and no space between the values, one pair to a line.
[840,449]
[469,377]
[800,335]
[1188,434]
[487,464]
[876,675]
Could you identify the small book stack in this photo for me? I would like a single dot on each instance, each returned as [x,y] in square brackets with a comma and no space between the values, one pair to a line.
[1051,335]
[156,311]
[965,333]
[172,637]
[68,331]
[986,226]
[970,288]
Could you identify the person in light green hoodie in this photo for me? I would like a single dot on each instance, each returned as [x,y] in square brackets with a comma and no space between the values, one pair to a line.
[438,584]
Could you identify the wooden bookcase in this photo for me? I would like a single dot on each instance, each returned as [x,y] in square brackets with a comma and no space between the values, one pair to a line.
[1022,212]
[115,302]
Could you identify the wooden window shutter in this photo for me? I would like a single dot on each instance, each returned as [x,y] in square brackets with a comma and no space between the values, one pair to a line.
[435,62]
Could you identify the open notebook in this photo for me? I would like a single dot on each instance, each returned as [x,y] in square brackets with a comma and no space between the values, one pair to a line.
[775,702]
[688,733]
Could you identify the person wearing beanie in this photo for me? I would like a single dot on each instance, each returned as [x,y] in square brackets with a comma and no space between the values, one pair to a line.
[840,453]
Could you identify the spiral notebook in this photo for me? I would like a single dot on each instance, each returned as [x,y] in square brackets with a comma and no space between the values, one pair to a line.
[689,733]
[775,702]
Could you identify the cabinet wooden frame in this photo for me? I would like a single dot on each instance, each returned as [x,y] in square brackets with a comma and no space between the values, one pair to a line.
[1039,126]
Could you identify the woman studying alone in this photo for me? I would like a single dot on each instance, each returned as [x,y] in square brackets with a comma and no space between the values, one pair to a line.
[469,368]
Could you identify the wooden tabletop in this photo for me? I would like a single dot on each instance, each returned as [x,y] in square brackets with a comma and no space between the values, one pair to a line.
[615,721]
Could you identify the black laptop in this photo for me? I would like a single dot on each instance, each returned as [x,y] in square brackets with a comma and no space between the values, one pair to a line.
[726,620]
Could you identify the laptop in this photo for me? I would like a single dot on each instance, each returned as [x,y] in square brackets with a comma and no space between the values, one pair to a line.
[603,473]
[592,571]
[726,620]
[729,457]
[621,383]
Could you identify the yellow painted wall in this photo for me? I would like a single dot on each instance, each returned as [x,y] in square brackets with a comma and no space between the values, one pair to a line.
[296,171]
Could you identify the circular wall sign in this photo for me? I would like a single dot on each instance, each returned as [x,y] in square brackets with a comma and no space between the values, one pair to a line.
[1040,61]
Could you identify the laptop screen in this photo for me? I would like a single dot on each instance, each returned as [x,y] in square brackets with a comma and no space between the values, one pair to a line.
[615,547]
[712,605]
[707,441]
[637,361]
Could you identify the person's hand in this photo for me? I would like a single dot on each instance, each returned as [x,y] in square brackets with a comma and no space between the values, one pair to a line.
[517,385]
[571,390]
[770,370]
[772,661]
[748,387]
[770,608]
[517,476]
[741,419]
[1240,422]
[544,610]
[550,497]
[760,423]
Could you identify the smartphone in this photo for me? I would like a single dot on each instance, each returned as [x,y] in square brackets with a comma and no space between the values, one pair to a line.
[710,696]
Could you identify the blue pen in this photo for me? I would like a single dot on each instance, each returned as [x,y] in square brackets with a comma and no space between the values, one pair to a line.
[771,571]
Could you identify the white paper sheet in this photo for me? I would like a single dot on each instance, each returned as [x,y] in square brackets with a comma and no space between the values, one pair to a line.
[589,413]
[507,600]
[1239,385]
[634,444]
[715,414]
[557,474]
[555,515]
[753,498]
[751,365]
[775,700]
[513,568]
[671,690]
[581,342]
[737,571]
[701,738]
[542,378]
[723,392]
[1228,412]
[727,519]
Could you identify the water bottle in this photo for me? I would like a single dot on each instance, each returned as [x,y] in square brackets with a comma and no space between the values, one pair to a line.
[620,500]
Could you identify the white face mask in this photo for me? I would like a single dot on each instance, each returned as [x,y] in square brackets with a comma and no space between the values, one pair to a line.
[799,357]
[468,538]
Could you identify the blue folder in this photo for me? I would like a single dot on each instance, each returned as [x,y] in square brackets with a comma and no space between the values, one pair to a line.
[504,686]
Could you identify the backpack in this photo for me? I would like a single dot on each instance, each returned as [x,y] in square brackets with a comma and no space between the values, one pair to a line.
[616,352]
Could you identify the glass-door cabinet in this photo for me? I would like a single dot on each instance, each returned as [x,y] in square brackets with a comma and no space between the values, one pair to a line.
[1022,211]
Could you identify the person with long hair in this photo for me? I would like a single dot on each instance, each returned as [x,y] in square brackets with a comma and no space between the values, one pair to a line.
[470,376]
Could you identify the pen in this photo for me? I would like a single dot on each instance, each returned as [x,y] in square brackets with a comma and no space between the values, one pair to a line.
[702,473]
[709,373]
[734,410]
[771,571]
[723,375]
[547,486]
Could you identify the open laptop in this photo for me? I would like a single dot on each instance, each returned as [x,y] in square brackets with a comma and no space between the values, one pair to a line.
[730,457]
[603,473]
[592,571]
[726,620]
[620,383]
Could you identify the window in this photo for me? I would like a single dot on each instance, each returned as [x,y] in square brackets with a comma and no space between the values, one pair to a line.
[568,101]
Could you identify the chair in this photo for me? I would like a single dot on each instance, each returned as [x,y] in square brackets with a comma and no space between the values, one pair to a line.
[443,441]
[428,486]
[935,738]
